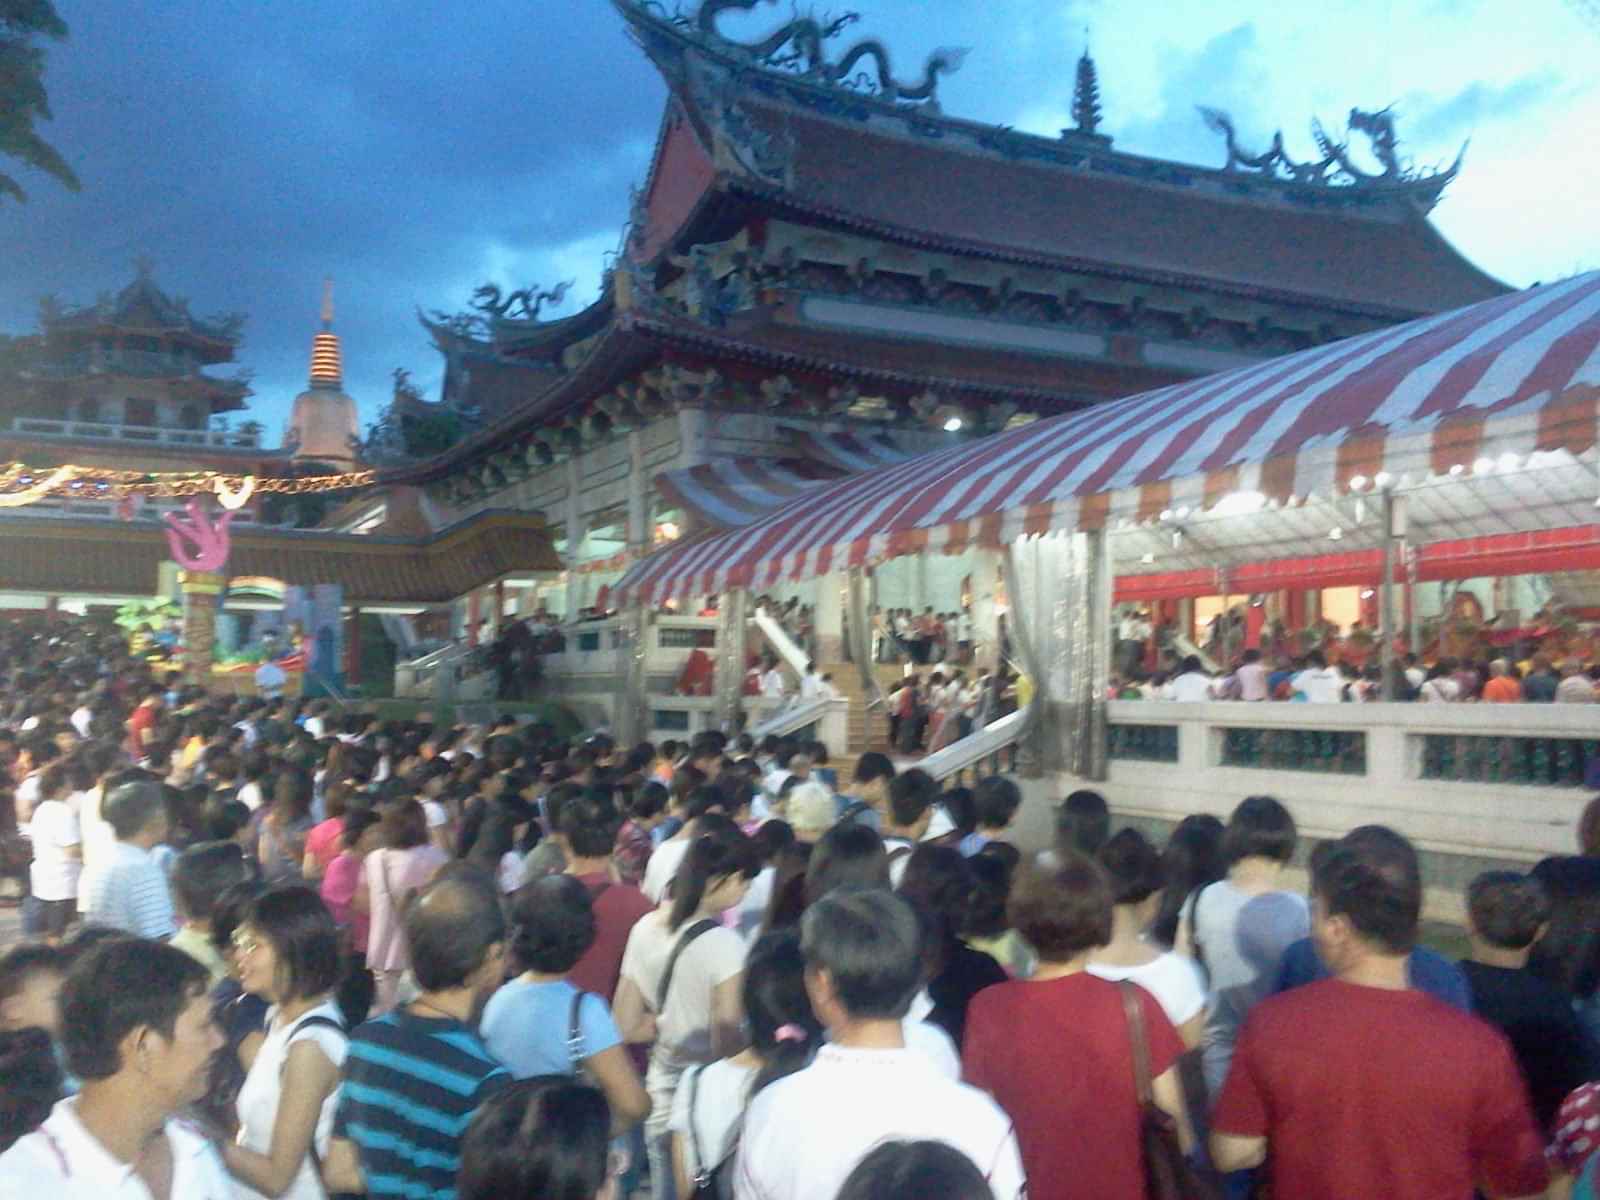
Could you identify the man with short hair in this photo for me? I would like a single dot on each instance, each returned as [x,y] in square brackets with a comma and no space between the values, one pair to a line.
[869,789]
[912,795]
[805,1133]
[1251,677]
[142,721]
[136,1022]
[1501,688]
[1319,683]
[415,1076]
[996,800]
[127,889]
[1358,1085]
[1541,684]
[1575,687]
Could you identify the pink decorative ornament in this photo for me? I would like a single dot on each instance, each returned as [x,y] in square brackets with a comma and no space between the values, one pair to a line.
[209,539]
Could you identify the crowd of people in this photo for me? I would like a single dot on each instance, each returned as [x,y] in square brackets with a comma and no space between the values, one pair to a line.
[1311,677]
[277,949]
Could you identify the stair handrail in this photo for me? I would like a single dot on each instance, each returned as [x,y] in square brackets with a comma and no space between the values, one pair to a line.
[966,753]
[796,714]
[778,638]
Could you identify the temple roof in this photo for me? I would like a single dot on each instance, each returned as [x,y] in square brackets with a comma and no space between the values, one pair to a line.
[802,142]
[63,555]
[143,308]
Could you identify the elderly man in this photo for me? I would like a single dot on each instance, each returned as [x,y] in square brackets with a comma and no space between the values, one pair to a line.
[1502,688]
[1575,687]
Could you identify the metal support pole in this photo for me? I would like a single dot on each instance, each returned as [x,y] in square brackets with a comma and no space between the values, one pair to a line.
[631,725]
[1394,532]
[1099,574]
[733,616]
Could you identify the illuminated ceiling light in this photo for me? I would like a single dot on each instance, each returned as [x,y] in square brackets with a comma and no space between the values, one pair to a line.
[1183,512]
[1358,483]
[1239,503]
[1509,461]
[1457,469]
[1147,559]
[953,425]
[1384,479]
[1483,466]
[1166,513]
[1335,534]
[1367,593]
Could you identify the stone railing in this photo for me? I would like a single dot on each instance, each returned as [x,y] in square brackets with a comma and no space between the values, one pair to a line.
[986,751]
[1499,782]
[160,435]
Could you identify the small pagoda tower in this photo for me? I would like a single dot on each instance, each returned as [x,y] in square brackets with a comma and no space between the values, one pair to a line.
[323,424]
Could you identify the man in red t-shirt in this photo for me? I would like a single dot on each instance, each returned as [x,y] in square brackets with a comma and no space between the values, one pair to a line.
[590,822]
[141,722]
[1360,1086]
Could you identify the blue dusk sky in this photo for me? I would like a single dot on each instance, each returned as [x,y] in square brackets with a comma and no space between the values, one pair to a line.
[412,151]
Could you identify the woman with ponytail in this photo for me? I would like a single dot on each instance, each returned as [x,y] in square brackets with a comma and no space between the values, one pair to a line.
[682,973]
[784,1034]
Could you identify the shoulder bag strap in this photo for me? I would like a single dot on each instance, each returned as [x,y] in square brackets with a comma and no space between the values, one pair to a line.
[703,925]
[1134,1012]
[702,1169]
[1194,924]
[575,1033]
[311,1022]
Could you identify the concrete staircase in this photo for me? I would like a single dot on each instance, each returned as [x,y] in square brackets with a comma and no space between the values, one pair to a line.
[869,729]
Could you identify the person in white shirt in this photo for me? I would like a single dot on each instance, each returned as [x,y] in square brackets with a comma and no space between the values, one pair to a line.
[127,890]
[287,951]
[136,1022]
[906,817]
[1191,684]
[57,859]
[1319,683]
[772,683]
[1252,677]
[82,719]
[806,1133]
[811,683]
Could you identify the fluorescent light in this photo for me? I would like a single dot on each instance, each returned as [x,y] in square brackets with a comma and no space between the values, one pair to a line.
[953,425]
[1239,503]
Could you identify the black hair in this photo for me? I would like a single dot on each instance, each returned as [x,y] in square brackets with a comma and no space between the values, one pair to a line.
[704,799]
[547,1137]
[223,817]
[776,1003]
[231,909]
[590,820]
[1260,827]
[21,963]
[928,1170]
[304,937]
[995,801]
[992,870]
[1132,865]
[1568,955]
[850,855]
[1083,822]
[1507,908]
[938,884]
[1192,859]
[356,823]
[718,849]
[911,794]
[873,765]
[1371,878]
[552,924]
[129,808]
[452,925]
[870,944]
[33,1083]
[203,872]
[648,799]
[958,805]
[116,987]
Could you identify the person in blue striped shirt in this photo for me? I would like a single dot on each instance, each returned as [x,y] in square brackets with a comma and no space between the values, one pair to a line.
[415,1076]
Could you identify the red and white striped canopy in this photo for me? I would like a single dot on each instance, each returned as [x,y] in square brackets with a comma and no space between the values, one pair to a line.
[1511,375]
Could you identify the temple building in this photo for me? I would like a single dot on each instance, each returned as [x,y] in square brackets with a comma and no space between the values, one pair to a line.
[127,383]
[825,273]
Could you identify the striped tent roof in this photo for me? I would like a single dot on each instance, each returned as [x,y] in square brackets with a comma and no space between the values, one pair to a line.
[1516,374]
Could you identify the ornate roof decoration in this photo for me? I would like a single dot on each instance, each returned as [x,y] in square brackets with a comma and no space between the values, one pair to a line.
[799,47]
[1334,168]
[1086,97]
[142,306]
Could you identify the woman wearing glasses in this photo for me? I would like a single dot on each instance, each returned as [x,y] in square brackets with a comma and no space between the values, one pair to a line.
[287,952]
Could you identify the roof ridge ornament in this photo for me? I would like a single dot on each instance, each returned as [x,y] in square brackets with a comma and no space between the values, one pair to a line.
[798,46]
[1334,168]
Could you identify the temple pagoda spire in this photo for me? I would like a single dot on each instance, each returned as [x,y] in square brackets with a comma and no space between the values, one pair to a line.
[326,367]
[1085,100]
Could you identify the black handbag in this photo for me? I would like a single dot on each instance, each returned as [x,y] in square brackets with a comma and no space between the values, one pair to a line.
[1168,1173]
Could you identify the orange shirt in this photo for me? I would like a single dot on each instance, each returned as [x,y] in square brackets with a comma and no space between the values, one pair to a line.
[1502,689]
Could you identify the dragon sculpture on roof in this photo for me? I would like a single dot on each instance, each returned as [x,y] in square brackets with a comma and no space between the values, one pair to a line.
[1335,167]
[799,46]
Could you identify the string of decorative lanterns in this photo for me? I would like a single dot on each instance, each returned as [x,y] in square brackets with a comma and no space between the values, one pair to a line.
[21,484]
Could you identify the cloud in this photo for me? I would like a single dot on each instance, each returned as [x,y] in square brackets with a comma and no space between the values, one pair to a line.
[1475,105]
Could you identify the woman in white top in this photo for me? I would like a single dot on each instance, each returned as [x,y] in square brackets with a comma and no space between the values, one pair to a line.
[695,1015]
[405,865]
[1136,880]
[784,1034]
[287,952]
[57,858]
